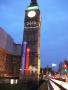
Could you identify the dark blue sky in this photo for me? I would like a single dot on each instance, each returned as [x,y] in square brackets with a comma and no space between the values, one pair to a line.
[54,26]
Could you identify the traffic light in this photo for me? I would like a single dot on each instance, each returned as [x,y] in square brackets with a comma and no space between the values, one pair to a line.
[65,71]
[65,68]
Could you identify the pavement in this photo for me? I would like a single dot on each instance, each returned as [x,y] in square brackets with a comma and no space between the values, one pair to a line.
[22,86]
[43,85]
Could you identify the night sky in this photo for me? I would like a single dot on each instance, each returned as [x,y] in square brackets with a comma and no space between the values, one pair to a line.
[54,26]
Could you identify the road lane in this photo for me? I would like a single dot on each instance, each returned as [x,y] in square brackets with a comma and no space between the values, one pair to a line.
[61,83]
[55,87]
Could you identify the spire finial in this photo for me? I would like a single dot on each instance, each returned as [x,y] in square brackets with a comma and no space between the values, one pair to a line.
[33,1]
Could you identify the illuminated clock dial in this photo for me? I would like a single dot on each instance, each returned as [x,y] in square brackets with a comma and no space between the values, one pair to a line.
[31,14]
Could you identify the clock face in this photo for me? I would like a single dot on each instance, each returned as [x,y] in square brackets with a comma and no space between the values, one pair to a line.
[31,14]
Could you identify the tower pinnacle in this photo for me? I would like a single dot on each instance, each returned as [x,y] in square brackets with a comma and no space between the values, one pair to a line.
[34,2]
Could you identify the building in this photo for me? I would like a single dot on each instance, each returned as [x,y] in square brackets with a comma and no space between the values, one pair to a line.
[31,41]
[10,55]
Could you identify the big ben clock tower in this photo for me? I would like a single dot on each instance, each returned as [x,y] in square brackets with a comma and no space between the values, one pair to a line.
[31,42]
